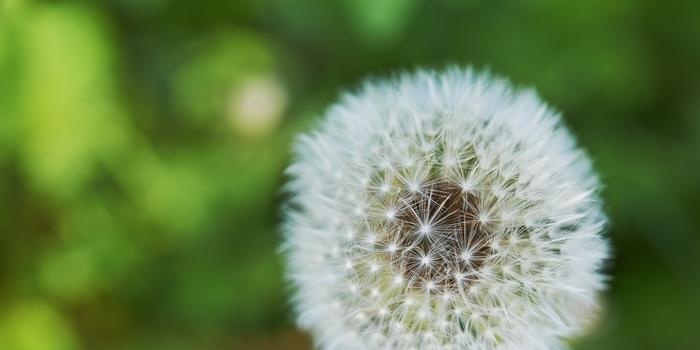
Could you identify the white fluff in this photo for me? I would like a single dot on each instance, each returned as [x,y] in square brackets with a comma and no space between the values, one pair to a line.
[443,210]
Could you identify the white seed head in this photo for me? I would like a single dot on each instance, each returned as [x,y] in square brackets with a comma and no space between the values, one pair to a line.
[448,211]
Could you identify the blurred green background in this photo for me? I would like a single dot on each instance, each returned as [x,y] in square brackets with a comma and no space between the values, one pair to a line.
[142,144]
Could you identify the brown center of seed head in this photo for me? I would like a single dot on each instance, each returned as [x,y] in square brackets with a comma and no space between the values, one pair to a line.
[441,244]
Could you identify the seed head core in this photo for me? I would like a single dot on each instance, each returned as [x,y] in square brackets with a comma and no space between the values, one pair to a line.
[437,240]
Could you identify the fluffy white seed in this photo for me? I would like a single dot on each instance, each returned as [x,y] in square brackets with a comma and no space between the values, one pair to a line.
[448,211]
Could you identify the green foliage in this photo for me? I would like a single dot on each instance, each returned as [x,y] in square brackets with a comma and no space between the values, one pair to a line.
[33,325]
[142,145]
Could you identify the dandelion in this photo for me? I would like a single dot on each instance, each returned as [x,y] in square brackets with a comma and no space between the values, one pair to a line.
[474,218]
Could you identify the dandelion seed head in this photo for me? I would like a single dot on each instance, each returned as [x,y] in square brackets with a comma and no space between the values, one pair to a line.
[443,210]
